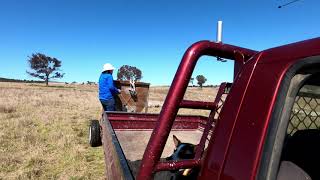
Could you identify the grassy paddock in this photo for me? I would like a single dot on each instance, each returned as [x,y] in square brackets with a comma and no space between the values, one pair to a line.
[44,130]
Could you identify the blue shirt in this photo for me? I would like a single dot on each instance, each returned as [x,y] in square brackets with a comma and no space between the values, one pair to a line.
[106,87]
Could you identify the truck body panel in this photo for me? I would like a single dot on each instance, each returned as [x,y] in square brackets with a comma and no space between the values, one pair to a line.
[240,160]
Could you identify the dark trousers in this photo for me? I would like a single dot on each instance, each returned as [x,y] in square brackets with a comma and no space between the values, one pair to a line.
[108,105]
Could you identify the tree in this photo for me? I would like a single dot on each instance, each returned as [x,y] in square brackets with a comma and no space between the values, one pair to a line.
[127,72]
[44,67]
[201,80]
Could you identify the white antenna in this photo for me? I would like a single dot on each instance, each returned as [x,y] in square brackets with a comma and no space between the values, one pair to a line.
[219,32]
[219,38]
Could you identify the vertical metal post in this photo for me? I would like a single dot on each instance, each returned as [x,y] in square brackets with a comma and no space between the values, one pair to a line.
[219,32]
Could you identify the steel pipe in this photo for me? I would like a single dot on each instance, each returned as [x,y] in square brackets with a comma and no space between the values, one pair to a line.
[198,105]
[174,165]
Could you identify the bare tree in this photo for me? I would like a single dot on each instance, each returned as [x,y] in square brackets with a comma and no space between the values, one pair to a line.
[44,67]
[201,80]
[127,72]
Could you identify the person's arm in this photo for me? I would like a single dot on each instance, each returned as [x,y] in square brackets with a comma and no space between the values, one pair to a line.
[112,88]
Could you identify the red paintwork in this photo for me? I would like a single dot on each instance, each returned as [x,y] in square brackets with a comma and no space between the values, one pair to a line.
[208,127]
[144,121]
[173,165]
[135,121]
[197,105]
[236,146]
[175,96]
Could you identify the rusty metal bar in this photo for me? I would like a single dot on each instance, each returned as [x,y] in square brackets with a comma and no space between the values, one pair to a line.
[176,92]
[197,105]
[174,165]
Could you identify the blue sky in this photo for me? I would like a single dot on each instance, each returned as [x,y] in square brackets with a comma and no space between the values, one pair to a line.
[150,35]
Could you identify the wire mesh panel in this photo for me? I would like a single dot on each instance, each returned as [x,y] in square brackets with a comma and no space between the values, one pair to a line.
[305,113]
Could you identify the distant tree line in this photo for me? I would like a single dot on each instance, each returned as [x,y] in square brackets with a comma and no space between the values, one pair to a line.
[19,80]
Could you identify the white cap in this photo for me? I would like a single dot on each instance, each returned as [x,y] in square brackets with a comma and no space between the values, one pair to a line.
[107,67]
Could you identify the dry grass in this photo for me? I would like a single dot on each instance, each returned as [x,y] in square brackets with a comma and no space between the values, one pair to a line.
[44,130]
[158,94]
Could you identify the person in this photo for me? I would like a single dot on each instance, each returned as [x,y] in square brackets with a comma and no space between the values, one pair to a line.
[107,89]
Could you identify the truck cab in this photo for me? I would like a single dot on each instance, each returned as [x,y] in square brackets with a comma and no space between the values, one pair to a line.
[270,116]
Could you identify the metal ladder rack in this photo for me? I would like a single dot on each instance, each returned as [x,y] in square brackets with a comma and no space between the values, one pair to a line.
[150,162]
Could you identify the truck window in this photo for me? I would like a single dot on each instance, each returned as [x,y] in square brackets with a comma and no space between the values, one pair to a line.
[302,143]
[293,142]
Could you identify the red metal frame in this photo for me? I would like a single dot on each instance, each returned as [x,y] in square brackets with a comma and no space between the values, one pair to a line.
[235,150]
[208,127]
[144,121]
[175,98]
[236,145]
[197,105]
[173,165]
